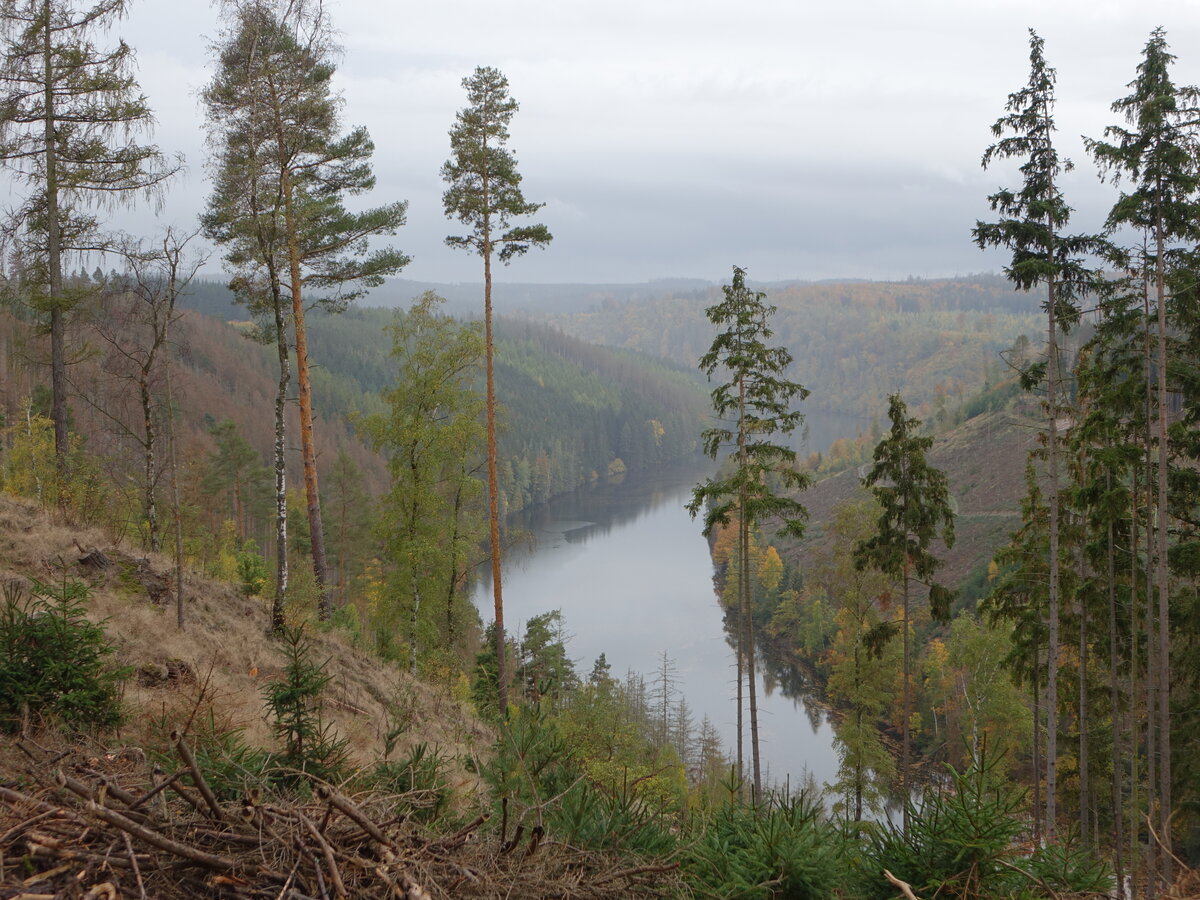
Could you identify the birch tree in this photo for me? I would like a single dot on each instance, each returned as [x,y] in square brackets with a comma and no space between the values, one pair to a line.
[282,171]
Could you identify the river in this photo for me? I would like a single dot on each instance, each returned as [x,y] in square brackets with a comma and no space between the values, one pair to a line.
[632,575]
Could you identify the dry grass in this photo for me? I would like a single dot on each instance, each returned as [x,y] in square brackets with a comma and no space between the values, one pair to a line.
[223,657]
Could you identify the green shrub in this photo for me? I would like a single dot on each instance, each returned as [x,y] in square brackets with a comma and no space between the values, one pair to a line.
[787,850]
[251,570]
[232,767]
[420,777]
[963,842]
[310,745]
[54,662]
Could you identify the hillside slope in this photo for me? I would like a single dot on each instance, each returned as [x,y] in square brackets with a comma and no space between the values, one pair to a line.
[218,664]
[984,459]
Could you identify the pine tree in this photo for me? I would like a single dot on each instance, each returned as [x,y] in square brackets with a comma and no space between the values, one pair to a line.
[485,195]
[69,113]
[1031,223]
[915,509]
[283,172]
[752,407]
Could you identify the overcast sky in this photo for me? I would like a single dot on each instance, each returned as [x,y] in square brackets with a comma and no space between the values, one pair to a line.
[679,137]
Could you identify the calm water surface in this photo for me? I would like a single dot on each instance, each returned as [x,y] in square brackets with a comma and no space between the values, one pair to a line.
[632,575]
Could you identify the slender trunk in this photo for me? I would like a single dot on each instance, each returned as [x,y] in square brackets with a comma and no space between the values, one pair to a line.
[1161,575]
[308,449]
[1132,712]
[239,514]
[858,720]
[1038,817]
[58,353]
[751,687]
[1052,653]
[281,548]
[150,473]
[493,477]
[416,614]
[1084,763]
[744,596]
[453,555]
[175,504]
[740,652]
[1151,868]
[906,707]
[1115,704]
[414,565]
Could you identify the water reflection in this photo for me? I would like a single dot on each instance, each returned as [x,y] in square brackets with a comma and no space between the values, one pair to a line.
[632,575]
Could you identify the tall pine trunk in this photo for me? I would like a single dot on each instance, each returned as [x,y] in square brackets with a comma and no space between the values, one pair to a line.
[308,450]
[280,460]
[493,476]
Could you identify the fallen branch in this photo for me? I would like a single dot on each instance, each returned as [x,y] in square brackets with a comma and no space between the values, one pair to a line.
[356,815]
[905,887]
[200,857]
[326,851]
[185,753]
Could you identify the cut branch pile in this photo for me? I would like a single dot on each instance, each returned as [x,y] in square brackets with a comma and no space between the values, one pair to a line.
[113,827]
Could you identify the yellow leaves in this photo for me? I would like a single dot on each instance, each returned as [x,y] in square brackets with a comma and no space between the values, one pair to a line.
[29,471]
[724,542]
[770,570]
[656,431]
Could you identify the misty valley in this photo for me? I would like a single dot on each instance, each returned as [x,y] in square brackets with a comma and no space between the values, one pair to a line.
[323,582]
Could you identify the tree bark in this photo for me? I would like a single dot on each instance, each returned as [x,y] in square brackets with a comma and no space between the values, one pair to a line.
[308,448]
[1115,702]
[58,353]
[906,736]
[150,473]
[1053,637]
[281,547]
[493,477]
[1162,575]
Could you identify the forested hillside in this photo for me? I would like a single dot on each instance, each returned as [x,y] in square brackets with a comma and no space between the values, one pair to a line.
[244,646]
[571,411]
[853,343]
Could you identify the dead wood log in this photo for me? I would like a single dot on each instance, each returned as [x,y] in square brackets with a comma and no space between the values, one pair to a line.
[327,852]
[905,887]
[185,753]
[162,842]
[347,806]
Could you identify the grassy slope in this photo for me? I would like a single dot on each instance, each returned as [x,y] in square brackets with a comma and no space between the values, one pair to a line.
[224,644]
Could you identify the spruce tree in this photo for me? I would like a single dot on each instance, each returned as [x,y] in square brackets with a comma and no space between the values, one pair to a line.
[69,115]
[485,195]
[752,407]
[1155,155]
[915,509]
[1030,225]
